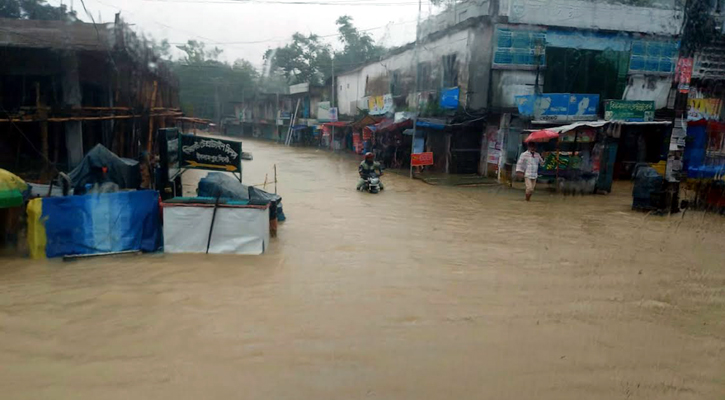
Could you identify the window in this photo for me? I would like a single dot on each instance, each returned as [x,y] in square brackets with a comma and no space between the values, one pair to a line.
[394,86]
[450,71]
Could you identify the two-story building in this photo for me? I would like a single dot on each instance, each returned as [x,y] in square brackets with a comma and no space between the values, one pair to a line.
[496,52]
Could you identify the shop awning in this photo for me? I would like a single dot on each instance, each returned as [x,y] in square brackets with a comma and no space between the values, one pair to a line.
[389,125]
[337,124]
[365,121]
[594,124]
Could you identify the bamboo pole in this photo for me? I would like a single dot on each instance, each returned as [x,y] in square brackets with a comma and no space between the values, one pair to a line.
[36,118]
[150,144]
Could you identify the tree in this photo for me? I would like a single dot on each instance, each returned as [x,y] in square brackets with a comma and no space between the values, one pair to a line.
[358,47]
[35,9]
[196,53]
[306,59]
[207,84]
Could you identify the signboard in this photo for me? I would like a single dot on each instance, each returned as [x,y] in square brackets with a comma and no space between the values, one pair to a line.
[325,113]
[683,74]
[421,159]
[171,136]
[708,109]
[629,110]
[210,153]
[559,106]
[449,98]
[379,105]
[299,88]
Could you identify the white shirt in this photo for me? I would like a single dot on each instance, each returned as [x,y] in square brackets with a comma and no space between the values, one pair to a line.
[529,164]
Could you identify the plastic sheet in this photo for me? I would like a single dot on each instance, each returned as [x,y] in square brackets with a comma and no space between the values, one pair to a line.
[99,223]
[122,171]
[237,230]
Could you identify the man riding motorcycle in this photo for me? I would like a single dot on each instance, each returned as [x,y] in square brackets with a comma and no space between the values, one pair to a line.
[367,167]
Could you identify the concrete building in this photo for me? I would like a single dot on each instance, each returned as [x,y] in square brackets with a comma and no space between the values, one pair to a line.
[453,57]
[502,49]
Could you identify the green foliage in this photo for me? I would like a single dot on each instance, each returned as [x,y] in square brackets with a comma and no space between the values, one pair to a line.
[306,59]
[34,9]
[209,85]
[197,54]
[358,47]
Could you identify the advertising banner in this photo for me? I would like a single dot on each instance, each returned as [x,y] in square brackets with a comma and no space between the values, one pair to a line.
[708,109]
[380,105]
[325,113]
[559,106]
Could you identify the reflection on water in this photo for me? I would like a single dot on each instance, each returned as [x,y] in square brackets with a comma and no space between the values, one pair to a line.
[418,292]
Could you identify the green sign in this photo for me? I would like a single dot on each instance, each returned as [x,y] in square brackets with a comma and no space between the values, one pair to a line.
[631,111]
[210,153]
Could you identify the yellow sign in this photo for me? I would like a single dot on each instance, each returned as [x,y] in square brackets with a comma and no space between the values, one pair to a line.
[703,109]
[194,164]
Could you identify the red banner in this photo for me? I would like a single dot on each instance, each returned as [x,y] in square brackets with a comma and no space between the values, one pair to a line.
[683,74]
[421,159]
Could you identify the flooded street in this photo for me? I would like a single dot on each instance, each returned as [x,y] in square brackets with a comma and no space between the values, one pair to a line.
[419,292]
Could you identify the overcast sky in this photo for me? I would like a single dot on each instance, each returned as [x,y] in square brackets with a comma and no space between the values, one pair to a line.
[245,29]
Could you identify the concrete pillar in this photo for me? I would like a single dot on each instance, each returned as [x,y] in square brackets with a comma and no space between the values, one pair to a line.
[72,97]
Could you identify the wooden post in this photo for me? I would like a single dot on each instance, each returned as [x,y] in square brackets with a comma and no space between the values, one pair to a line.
[558,161]
[43,118]
[152,104]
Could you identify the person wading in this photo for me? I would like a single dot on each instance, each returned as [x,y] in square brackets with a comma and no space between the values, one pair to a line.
[528,167]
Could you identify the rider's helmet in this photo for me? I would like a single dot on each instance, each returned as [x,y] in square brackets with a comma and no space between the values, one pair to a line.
[369,156]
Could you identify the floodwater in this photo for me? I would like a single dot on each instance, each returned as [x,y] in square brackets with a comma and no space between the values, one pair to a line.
[419,292]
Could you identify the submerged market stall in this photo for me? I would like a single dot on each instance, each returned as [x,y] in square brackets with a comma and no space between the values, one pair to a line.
[226,216]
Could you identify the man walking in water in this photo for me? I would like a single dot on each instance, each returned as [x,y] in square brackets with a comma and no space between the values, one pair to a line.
[528,166]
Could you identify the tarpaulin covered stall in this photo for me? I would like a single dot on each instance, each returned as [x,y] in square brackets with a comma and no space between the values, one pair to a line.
[101,165]
[237,228]
[95,223]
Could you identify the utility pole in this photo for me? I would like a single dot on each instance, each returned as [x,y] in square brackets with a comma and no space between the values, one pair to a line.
[417,87]
[332,103]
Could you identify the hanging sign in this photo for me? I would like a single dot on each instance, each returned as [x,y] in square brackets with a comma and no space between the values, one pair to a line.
[210,153]
[421,159]
[683,74]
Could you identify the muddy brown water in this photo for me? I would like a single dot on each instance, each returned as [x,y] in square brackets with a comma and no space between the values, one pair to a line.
[420,292]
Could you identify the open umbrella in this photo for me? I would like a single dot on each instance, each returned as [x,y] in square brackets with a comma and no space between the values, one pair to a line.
[11,189]
[543,135]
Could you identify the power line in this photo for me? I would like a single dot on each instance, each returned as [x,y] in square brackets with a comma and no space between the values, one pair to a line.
[288,38]
[291,3]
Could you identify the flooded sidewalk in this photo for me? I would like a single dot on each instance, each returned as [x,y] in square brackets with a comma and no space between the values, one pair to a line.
[419,292]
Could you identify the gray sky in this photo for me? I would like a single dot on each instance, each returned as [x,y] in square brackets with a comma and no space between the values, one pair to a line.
[245,29]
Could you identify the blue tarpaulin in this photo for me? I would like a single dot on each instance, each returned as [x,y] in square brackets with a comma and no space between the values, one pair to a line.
[694,157]
[101,223]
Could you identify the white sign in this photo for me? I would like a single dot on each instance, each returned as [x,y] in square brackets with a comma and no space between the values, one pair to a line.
[325,113]
[299,88]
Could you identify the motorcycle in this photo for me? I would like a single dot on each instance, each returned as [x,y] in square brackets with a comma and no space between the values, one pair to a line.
[372,183]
